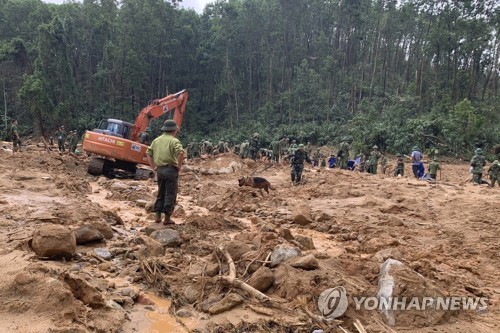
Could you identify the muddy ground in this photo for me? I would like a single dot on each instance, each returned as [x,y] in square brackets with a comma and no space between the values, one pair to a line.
[444,234]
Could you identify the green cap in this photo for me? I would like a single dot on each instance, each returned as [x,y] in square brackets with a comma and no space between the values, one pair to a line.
[169,126]
[479,151]
[301,146]
[399,155]
[415,148]
[375,147]
[496,162]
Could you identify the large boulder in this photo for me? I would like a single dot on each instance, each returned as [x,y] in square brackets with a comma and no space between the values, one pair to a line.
[262,279]
[167,237]
[282,253]
[301,214]
[88,234]
[54,241]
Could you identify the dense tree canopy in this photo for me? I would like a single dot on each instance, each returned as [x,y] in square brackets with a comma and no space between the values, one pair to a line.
[387,72]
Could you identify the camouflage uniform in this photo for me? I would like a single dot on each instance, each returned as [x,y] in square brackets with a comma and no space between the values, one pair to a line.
[221,149]
[434,167]
[276,149]
[195,149]
[309,149]
[384,164]
[72,141]
[316,157]
[61,138]
[285,148]
[293,148]
[208,147]
[400,166]
[477,162]
[494,172]
[254,146]
[343,154]
[244,149]
[145,137]
[14,134]
[297,163]
[373,161]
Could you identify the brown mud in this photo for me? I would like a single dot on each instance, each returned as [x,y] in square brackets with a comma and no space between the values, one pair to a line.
[446,234]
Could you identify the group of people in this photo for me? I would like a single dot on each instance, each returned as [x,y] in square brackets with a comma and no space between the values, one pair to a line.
[62,137]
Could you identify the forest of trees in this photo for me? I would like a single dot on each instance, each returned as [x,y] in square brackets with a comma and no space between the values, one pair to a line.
[389,72]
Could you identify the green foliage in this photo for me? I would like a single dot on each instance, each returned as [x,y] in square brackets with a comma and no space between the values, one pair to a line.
[389,73]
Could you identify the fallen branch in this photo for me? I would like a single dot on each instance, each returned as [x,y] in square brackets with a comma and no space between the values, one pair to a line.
[233,281]
[359,326]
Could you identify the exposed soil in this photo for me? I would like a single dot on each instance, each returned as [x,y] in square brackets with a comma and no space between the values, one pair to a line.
[446,234]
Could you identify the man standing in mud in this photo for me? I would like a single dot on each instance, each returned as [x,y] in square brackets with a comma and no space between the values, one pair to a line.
[165,156]
[477,163]
[254,146]
[276,148]
[416,157]
[14,134]
[297,164]
[61,138]
[343,153]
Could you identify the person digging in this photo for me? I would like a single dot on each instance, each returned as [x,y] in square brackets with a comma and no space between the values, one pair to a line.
[165,156]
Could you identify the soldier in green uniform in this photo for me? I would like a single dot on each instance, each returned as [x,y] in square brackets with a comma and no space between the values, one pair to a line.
[293,147]
[220,147]
[373,161]
[208,147]
[165,156]
[309,149]
[494,173]
[297,163]
[383,163]
[343,153]
[400,166]
[195,149]
[434,166]
[285,148]
[145,137]
[477,162]
[244,149]
[14,135]
[254,146]
[72,141]
[61,138]
[316,157]
[275,146]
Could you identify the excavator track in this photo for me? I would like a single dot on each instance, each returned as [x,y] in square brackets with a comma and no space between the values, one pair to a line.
[97,166]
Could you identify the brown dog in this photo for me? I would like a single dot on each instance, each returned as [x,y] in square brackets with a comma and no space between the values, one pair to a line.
[256,182]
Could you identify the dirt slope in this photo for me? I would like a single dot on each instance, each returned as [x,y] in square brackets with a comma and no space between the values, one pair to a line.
[446,234]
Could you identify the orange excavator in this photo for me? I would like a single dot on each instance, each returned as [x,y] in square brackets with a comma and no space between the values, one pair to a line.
[116,145]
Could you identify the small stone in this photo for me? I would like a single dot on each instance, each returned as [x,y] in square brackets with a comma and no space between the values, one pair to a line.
[307,263]
[286,234]
[103,253]
[183,313]
[301,215]
[262,279]
[167,237]
[149,247]
[191,294]
[282,253]
[87,234]
[237,249]
[111,285]
[104,228]
[305,241]
[141,203]
[105,266]
[142,299]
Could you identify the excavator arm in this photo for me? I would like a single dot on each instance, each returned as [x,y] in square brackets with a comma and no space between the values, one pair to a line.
[158,107]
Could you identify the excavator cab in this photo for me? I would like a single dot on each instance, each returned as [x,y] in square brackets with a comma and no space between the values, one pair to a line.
[115,127]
